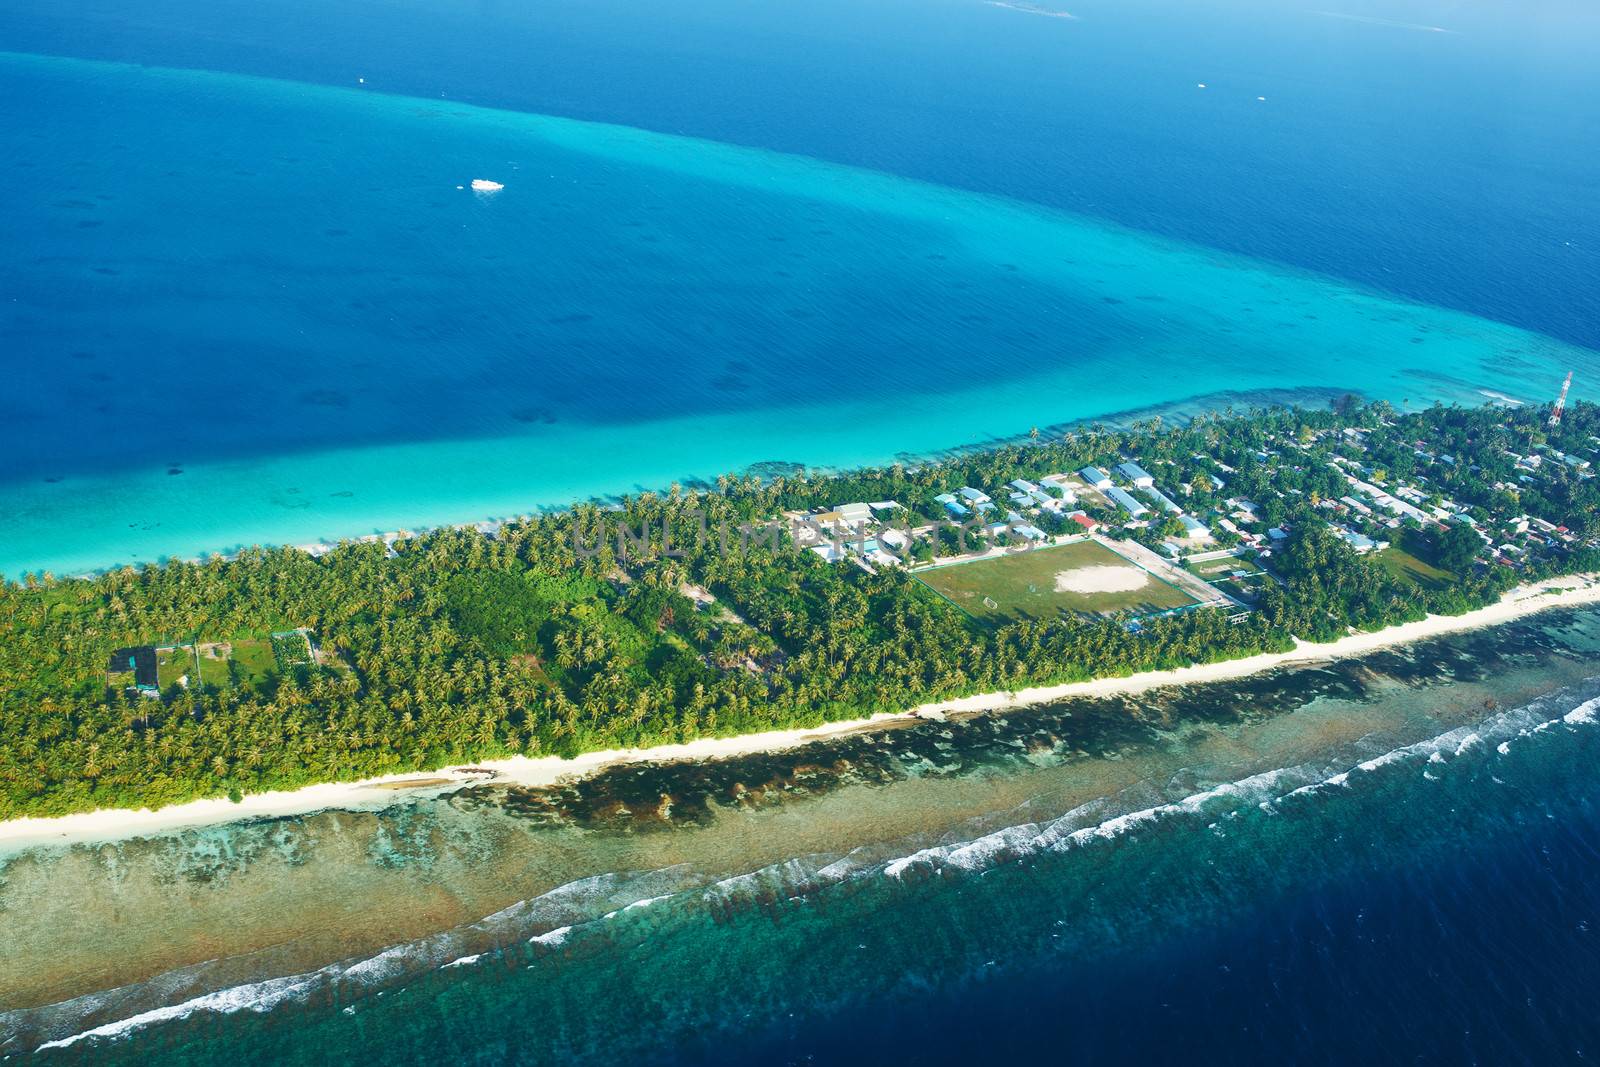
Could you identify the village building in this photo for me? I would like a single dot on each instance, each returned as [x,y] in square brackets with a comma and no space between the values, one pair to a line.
[1095,478]
[1136,474]
[1126,502]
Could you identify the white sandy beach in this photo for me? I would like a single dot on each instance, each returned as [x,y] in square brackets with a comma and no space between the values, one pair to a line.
[116,824]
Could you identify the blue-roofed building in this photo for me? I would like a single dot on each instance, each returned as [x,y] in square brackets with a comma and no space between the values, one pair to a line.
[1126,502]
[1165,502]
[1095,477]
[1193,528]
[1136,474]
[1360,541]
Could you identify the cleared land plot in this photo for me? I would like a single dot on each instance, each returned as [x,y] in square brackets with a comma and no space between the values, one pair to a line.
[1084,578]
[243,662]
[1227,565]
[173,664]
[1246,590]
[1409,568]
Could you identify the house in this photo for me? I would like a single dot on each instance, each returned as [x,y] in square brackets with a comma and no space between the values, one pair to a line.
[1095,477]
[1123,500]
[1136,474]
[1083,520]
[1022,485]
[844,523]
[1165,502]
[1193,528]
[1245,510]
[973,496]
[1359,541]
[1058,482]
[1061,484]
[1021,499]
[1022,528]
[1277,534]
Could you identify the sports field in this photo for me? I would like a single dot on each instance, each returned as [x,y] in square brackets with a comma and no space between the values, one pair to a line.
[1083,578]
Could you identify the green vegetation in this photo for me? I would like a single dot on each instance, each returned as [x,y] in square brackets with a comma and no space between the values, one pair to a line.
[1212,568]
[251,663]
[173,664]
[1406,567]
[214,666]
[463,647]
[1023,586]
[290,650]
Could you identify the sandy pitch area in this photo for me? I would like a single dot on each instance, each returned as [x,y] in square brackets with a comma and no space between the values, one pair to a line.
[1101,578]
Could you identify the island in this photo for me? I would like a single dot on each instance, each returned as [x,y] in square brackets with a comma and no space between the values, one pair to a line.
[787,601]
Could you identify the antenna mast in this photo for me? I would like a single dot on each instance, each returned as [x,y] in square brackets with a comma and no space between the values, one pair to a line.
[1561,402]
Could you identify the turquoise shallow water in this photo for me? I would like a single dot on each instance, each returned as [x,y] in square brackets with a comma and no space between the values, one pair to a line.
[260,312]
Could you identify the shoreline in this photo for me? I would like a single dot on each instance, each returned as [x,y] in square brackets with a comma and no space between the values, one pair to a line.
[108,825]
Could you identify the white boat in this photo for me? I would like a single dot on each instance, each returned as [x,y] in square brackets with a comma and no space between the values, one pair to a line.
[484,185]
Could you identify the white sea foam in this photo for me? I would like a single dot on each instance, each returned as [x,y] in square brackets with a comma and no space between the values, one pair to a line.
[577,901]
[256,996]
[646,902]
[1067,832]
[1583,713]
[465,961]
[1262,791]
[551,937]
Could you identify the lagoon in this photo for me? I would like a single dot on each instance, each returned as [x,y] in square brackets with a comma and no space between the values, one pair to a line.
[259,311]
